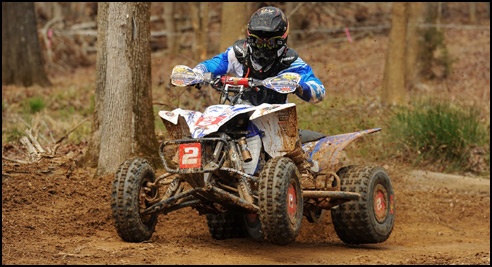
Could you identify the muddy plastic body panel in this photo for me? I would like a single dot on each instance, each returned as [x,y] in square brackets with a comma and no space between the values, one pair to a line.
[325,153]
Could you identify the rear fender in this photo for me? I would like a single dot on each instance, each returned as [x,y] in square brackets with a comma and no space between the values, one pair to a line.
[325,153]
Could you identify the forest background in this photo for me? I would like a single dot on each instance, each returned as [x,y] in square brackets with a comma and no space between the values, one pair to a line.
[434,114]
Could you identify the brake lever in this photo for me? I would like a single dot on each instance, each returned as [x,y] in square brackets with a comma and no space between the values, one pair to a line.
[255,84]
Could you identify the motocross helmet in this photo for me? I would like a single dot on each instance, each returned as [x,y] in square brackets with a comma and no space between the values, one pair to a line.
[267,36]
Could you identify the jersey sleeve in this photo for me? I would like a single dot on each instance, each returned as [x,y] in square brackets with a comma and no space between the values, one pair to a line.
[224,63]
[313,90]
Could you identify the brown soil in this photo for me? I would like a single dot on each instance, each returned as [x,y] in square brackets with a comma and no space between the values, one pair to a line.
[54,213]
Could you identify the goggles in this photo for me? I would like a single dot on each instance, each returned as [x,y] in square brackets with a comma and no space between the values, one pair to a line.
[269,42]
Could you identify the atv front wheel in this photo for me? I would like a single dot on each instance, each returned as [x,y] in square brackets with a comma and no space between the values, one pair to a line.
[129,196]
[369,219]
[280,201]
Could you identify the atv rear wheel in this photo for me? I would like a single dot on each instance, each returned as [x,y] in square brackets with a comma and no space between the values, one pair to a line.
[369,219]
[280,201]
[128,199]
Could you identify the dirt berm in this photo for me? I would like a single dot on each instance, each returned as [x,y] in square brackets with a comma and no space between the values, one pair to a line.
[54,213]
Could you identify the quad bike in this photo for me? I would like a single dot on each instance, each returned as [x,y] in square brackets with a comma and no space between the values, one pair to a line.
[251,171]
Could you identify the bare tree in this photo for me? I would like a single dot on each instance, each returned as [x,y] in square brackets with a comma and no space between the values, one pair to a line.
[473,12]
[434,58]
[412,44]
[234,23]
[127,127]
[197,29]
[203,38]
[91,156]
[393,89]
[294,14]
[172,44]
[22,61]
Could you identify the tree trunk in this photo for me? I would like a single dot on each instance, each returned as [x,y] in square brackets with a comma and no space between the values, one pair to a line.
[430,12]
[204,8]
[412,46]
[199,22]
[22,61]
[234,23]
[393,89]
[293,13]
[195,23]
[91,156]
[434,58]
[473,12]
[127,119]
[172,45]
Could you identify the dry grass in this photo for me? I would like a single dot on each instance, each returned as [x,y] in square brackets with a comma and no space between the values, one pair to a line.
[351,72]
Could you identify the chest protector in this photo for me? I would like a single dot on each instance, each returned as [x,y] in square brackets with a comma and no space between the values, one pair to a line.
[286,58]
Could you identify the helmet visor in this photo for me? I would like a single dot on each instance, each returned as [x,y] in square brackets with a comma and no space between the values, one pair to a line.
[265,43]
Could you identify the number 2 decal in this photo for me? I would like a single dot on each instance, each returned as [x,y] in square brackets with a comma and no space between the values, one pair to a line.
[207,121]
[190,156]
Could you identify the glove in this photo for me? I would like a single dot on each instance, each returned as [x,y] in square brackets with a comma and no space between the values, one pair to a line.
[199,71]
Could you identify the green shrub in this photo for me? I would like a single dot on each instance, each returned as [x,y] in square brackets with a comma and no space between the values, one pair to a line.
[36,104]
[438,133]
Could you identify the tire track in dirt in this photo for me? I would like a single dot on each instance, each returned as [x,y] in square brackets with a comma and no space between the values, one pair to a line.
[52,216]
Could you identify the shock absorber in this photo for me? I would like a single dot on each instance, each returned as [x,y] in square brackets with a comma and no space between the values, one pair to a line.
[243,146]
[243,186]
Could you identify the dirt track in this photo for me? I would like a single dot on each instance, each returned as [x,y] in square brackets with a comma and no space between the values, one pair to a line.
[53,213]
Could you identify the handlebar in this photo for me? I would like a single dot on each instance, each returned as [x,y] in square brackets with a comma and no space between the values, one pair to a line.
[235,82]
[284,83]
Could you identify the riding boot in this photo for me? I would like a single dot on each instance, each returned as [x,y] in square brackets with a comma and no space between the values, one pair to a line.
[297,155]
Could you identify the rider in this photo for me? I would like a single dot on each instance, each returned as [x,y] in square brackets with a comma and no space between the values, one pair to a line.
[265,54]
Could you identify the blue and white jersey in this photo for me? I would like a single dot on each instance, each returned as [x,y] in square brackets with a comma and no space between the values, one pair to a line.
[313,90]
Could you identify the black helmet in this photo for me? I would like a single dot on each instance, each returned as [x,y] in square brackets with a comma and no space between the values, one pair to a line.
[268,29]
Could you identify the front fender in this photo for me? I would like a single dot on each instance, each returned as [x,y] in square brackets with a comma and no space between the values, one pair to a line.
[325,153]
[279,125]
